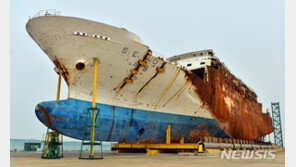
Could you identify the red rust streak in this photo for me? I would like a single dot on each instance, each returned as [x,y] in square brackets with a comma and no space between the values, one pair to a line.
[179,92]
[63,70]
[59,118]
[244,117]
[46,114]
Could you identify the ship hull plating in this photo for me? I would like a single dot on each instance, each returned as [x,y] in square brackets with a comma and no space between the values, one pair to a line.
[124,124]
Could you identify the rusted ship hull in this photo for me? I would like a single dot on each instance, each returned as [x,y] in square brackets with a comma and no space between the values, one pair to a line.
[234,106]
[139,94]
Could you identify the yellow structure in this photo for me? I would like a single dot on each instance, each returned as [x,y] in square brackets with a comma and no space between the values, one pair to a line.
[168,134]
[93,118]
[59,88]
[53,138]
[168,147]
[154,148]
[92,134]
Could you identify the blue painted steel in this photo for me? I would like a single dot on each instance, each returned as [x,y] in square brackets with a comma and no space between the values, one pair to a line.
[122,124]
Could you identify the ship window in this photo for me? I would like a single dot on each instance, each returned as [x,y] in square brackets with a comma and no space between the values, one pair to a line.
[202,63]
[188,65]
[199,72]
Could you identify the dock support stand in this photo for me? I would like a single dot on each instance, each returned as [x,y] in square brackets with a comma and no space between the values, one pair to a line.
[182,140]
[53,143]
[53,148]
[95,112]
[168,135]
[168,142]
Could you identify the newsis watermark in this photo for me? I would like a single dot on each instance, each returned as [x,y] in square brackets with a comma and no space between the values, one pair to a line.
[248,154]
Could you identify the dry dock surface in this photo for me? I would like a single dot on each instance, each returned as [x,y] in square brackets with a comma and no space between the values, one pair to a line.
[139,159]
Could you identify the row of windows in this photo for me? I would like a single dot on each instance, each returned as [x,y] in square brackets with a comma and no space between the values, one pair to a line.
[80,33]
[190,64]
[175,59]
[178,58]
[194,55]
[95,35]
[100,36]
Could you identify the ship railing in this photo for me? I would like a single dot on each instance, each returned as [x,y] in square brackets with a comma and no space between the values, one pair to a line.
[47,12]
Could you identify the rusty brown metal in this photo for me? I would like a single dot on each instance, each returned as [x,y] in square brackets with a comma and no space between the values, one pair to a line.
[63,70]
[243,117]
[59,118]
[46,114]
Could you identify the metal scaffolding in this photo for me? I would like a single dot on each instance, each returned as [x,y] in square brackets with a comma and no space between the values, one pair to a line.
[53,143]
[277,125]
[91,116]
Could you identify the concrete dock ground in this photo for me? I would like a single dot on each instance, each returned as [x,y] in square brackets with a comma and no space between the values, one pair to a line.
[32,159]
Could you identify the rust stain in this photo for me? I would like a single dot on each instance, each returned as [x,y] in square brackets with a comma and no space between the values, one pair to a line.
[63,70]
[131,119]
[176,139]
[119,85]
[180,91]
[241,115]
[166,89]
[123,136]
[196,134]
[50,117]
[113,122]
[163,64]
[46,114]
[59,118]
[147,140]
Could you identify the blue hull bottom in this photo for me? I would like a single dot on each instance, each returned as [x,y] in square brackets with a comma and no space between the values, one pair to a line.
[124,124]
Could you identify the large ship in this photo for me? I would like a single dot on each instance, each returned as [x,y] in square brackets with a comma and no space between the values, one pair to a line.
[139,93]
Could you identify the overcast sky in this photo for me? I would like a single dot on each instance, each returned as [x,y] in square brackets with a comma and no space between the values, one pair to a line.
[247,35]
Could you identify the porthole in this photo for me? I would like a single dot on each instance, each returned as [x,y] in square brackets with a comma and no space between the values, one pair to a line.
[80,66]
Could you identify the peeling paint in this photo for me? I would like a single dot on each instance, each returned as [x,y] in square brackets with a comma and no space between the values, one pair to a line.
[232,103]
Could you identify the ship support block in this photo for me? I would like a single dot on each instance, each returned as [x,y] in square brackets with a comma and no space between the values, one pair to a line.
[205,147]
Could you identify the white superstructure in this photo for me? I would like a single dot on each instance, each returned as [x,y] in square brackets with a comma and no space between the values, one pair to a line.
[193,60]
